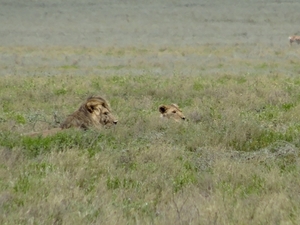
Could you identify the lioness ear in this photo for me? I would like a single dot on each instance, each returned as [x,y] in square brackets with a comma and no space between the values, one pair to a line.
[162,109]
[90,105]
[175,105]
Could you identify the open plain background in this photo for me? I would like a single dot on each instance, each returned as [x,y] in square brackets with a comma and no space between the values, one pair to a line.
[156,25]
[227,63]
[263,26]
[144,23]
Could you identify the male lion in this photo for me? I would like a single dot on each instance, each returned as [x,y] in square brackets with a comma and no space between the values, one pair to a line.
[171,111]
[94,112]
[294,38]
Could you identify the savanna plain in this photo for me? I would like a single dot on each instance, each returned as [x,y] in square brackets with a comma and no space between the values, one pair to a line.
[235,160]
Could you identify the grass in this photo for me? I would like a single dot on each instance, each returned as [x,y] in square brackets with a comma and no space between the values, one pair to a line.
[235,161]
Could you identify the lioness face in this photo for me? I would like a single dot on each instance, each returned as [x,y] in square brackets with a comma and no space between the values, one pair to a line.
[100,112]
[171,111]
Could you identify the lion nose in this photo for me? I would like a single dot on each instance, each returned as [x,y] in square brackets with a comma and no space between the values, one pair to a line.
[116,121]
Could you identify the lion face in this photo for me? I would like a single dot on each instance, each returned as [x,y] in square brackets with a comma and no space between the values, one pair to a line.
[171,111]
[100,112]
[95,112]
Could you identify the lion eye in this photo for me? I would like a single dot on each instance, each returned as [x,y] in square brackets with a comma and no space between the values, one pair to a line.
[105,113]
[174,111]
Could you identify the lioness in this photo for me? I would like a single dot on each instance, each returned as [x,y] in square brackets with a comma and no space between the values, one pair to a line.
[94,112]
[171,111]
[294,38]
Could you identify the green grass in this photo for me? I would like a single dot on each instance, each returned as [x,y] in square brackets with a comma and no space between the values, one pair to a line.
[235,161]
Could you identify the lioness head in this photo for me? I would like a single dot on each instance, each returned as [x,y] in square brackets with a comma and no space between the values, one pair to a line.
[171,111]
[94,112]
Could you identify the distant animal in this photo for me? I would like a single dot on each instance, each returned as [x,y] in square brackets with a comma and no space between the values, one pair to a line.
[294,38]
[93,113]
[171,112]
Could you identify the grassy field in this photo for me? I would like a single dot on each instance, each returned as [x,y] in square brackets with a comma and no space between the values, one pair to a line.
[235,161]
[227,64]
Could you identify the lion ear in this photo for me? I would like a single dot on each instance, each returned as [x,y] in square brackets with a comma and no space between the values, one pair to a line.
[175,105]
[162,109]
[91,105]
[105,105]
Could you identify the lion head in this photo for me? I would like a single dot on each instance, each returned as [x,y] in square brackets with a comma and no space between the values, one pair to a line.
[171,111]
[94,112]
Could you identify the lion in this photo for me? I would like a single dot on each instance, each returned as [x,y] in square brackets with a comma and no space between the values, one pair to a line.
[171,112]
[95,112]
[294,38]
